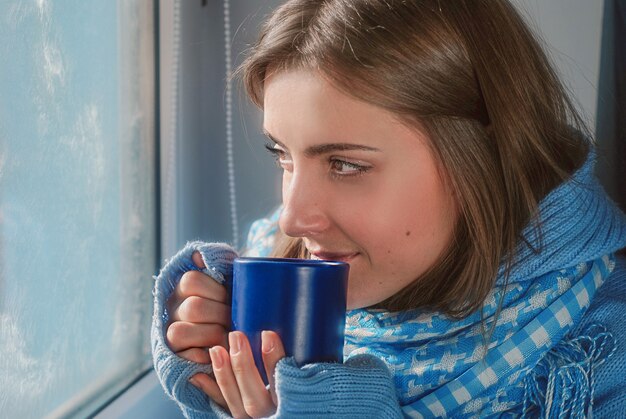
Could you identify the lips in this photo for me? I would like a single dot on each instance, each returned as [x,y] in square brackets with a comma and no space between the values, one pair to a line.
[336,256]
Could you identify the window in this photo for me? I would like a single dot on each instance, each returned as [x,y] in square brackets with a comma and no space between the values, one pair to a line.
[77,203]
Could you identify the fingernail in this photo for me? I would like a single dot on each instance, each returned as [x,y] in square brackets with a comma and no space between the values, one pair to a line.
[193,381]
[234,340]
[267,343]
[216,358]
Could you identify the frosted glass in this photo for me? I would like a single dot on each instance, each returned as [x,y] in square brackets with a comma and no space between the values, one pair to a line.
[77,222]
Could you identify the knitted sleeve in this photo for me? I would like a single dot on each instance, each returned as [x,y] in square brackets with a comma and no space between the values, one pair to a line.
[174,372]
[360,388]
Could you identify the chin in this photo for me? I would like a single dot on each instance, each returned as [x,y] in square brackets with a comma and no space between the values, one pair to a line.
[360,302]
[364,291]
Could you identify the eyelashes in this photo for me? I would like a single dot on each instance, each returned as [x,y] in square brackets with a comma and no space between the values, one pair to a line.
[279,156]
[338,168]
[277,153]
[342,168]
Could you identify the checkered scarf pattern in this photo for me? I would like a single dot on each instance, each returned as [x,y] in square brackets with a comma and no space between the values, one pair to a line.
[443,367]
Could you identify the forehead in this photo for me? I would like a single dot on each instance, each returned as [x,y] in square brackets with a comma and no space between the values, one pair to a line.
[306,99]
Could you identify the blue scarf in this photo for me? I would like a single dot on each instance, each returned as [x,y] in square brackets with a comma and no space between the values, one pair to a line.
[437,361]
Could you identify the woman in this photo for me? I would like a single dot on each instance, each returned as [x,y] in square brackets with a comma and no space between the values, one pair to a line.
[431,146]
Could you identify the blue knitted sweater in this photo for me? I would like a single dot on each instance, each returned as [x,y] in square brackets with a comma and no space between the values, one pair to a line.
[363,387]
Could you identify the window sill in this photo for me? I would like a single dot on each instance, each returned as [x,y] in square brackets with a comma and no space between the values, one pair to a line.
[143,400]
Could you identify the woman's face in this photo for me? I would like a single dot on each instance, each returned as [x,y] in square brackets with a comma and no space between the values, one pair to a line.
[358,185]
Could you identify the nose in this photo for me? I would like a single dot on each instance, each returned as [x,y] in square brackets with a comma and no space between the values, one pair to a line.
[304,211]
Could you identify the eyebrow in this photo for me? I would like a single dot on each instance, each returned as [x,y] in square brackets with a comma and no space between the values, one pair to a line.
[319,149]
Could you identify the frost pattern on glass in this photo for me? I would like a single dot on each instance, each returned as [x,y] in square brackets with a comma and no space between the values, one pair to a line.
[77,241]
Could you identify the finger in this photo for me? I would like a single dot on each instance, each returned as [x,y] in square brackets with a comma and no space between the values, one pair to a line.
[226,381]
[201,310]
[198,284]
[256,399]
[181,336]
[199,355]
[202,285]
[210,387]
[272,351]
[196,257]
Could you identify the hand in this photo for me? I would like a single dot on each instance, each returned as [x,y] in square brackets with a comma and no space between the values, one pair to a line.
[238,386]
[199,315]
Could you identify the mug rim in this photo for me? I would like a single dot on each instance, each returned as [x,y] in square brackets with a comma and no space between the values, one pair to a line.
[289,261]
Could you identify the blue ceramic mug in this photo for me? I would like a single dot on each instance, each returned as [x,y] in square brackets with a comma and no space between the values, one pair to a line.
[302,300]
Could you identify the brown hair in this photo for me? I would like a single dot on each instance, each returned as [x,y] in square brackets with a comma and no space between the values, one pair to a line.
[471,75]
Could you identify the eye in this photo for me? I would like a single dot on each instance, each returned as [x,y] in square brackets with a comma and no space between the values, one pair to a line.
[274,151]
[283,160]
[343,168]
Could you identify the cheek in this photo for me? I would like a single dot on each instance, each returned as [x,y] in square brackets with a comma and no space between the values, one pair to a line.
[412,229]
